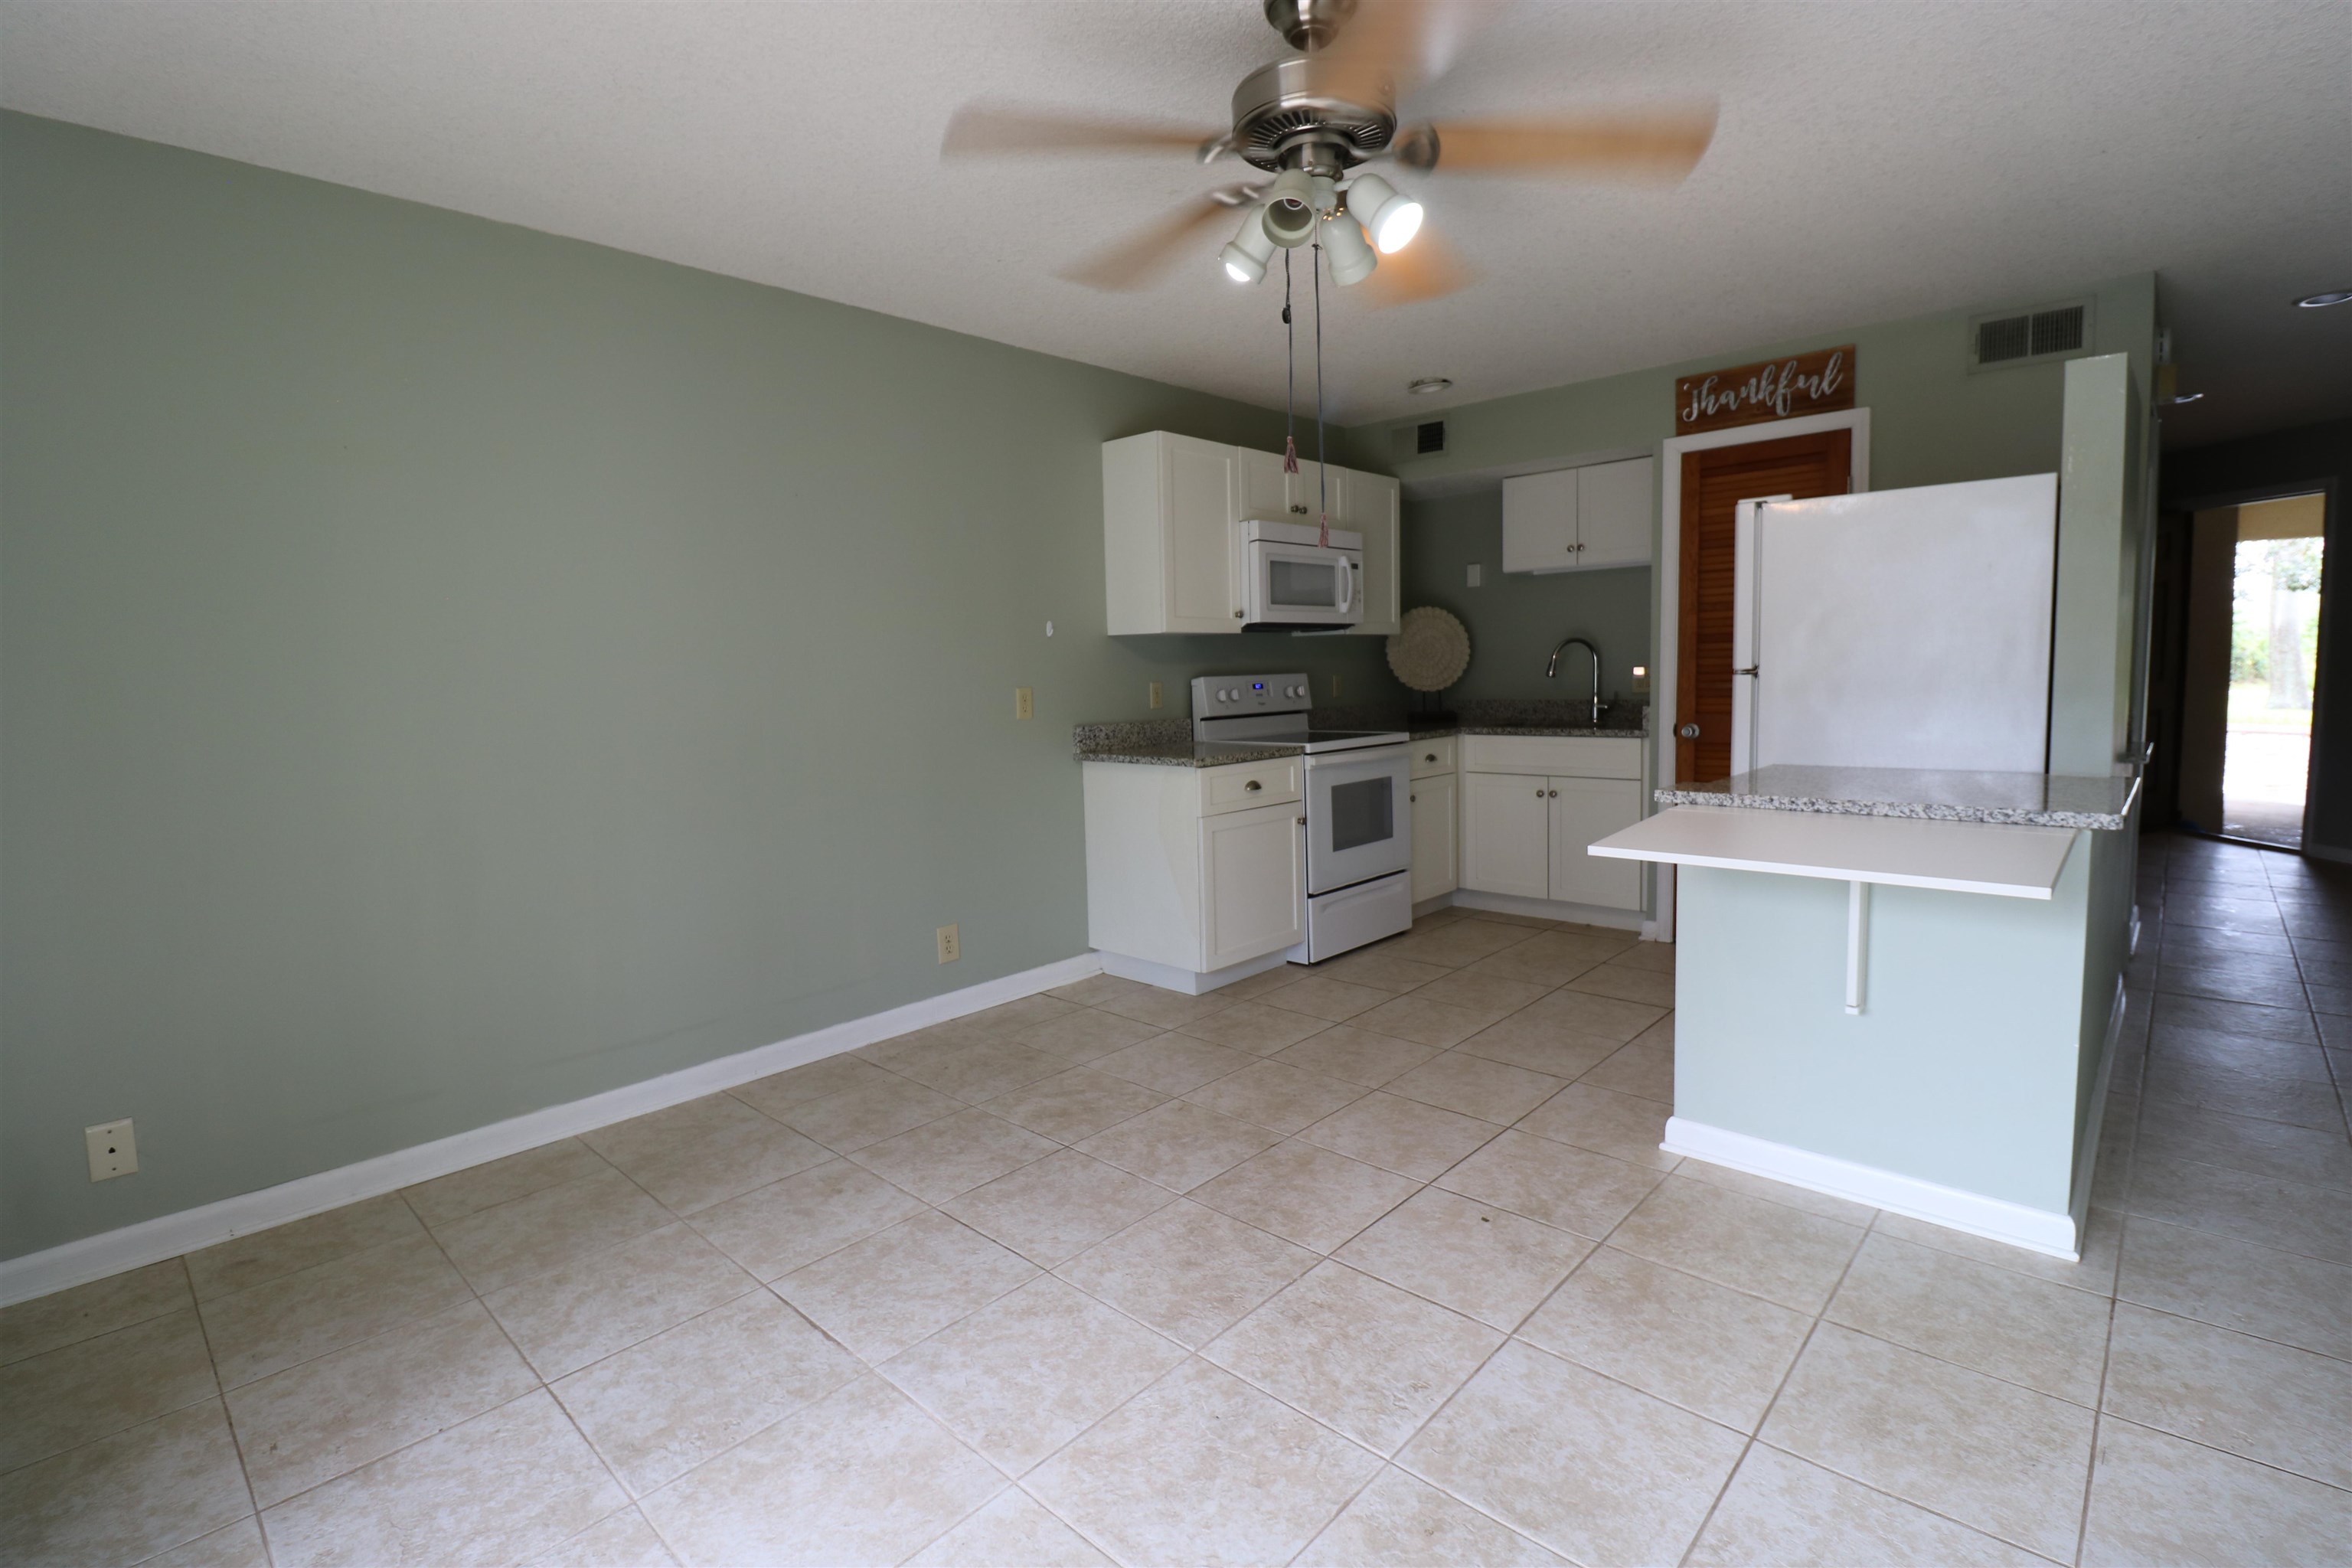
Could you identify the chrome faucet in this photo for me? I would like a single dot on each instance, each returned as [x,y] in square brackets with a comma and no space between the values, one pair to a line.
[1551,668]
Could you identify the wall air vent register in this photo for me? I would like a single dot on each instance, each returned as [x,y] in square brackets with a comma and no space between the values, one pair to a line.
[2030,337]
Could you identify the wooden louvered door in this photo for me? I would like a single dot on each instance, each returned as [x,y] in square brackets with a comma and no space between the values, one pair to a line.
[1715,482]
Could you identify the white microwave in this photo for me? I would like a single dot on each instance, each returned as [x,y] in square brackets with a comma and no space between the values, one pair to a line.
[1292,582]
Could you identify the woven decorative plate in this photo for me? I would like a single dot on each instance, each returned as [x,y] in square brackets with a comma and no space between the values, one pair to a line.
[1430,649]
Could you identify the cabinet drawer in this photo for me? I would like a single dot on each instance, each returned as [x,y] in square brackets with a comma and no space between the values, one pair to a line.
[1254,784]
[1433,756]
[1572,756]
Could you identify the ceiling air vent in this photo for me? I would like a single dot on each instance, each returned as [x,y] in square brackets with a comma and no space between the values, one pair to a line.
[2029,337]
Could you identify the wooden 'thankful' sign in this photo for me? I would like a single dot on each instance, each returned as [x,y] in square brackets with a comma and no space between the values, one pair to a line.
[1818,382]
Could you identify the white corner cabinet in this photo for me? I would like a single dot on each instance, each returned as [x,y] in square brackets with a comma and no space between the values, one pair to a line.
[1435,794]
[1191,871]
[1531,804]
[1170,504]
[1578,519]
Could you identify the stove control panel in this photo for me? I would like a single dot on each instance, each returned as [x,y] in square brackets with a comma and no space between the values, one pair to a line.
[1225,696]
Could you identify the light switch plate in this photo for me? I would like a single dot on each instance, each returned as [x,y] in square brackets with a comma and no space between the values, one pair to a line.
[1024,703]
[1474,571]
[113,1150]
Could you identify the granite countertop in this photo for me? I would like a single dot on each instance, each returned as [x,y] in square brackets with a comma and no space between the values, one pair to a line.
[2014,800]
[1168,743]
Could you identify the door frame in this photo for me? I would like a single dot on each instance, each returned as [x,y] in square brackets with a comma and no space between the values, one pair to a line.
[1667,583]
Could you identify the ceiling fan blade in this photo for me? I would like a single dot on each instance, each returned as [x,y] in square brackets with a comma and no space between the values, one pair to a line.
[1389,46]
[1428,268]
[1140,259]
[980,131]
[1658,145]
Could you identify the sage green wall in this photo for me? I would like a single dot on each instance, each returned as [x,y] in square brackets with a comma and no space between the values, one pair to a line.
[1931,422]
[450,670]
[1517,620]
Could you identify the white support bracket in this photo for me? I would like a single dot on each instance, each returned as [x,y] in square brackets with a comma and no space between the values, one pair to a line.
[1857,944]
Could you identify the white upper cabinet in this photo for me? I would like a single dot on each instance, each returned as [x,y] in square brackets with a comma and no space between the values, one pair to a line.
[1169,506]
[1540,521]
[1170,547]
[1578,519]
[1613,514]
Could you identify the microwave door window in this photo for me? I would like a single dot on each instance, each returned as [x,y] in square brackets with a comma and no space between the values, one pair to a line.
[1300,584]
[1362,812]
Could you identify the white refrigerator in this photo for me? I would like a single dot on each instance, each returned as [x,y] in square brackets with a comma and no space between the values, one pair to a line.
[1897,628]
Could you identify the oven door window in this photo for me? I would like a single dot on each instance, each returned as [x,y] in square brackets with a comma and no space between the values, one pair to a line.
[1302,584]
[1362,812]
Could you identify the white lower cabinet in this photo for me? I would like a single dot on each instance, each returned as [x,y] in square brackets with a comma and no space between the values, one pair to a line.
[1524,833]
[1254,883]
[1583,810]
[1436,867]
[1505,835]
[1191,870]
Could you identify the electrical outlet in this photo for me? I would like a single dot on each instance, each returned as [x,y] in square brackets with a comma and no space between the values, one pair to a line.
[1476,571]
[1025,702]
[1159,697]
[950,945]
[113,1150]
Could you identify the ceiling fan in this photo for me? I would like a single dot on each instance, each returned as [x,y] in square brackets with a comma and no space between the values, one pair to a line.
[1312,120]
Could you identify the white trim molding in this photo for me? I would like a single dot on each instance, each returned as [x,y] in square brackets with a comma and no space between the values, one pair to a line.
[1553,910]
[1666,583]
[1997,1219]
[168,1236]
[2086,1158]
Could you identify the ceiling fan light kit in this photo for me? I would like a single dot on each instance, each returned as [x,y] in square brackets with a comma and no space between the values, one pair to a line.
[1350,254]
[1388,215]
[1251,249]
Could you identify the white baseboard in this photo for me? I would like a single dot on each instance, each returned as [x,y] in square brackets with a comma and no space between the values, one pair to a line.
[2086,1158]
[1997,1219]
[1551,909]
[168,1236]
[1168,977]
[2325,852]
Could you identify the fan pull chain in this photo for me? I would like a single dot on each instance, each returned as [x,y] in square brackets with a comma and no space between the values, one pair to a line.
[1322,473]
[1290,369]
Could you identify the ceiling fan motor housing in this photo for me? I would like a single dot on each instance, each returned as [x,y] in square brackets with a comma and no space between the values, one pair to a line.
[1277,112]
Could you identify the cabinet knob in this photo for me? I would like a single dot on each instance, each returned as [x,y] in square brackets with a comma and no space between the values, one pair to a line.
[1554,794]
[1688,731]
[1253,786]
[1301,821]
[1412,798]
[1538,794]
[1429,756]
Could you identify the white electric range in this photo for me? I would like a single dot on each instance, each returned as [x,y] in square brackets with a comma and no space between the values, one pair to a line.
[1358,836]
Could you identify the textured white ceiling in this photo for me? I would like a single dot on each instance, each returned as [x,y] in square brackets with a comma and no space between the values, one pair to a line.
[1874,160]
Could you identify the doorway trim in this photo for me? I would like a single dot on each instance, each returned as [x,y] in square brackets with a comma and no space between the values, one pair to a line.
[1667,583]
[2329,490]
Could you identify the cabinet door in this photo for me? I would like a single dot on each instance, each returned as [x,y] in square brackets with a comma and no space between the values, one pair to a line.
[1540,521]
[1434,827]
[1307,495]
[1506,826]
[1198,483]
[1613,514]
[1582,811]
[1265,487]
[1373,510]
[1253,884]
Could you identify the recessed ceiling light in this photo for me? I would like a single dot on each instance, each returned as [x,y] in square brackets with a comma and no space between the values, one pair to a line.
[1429,383]
[2329,297]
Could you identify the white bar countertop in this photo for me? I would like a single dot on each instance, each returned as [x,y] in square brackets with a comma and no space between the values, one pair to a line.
[2017,800]
[2005,861]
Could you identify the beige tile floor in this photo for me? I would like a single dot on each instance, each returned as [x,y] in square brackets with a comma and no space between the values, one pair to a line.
[1380,1264]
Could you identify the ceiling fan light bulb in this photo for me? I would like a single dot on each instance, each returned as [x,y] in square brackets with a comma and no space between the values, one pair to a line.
[1352,260]
[1289,220]
[1388,215]
[1246,256]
